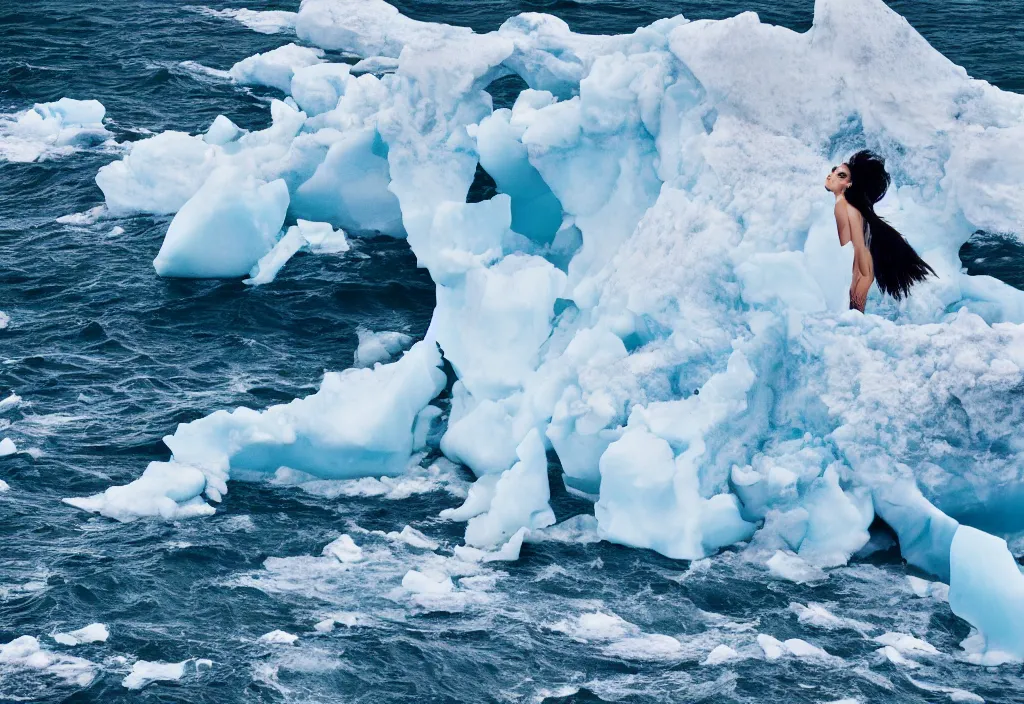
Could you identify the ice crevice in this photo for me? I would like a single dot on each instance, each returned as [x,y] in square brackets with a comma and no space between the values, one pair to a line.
[655,295]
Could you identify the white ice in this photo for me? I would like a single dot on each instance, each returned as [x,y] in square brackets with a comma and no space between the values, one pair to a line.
[7,447]
[278,637]
[275,68]
[93,633]
[145,673]
[380,346]
[343,549]
[25,653]
[52,129]
[656,294]
[264,22]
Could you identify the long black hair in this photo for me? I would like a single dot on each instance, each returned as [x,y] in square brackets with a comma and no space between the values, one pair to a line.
[897,265]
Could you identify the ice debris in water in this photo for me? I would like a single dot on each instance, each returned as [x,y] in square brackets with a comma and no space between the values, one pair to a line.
[381,346]
[26,653]
[596,626]
[264,22]
[52,128]
[12,401]
[93,633]
[4,486]
[279,637]
[343,549]
[5,320]
[741,402]
[7,447]
[145,673]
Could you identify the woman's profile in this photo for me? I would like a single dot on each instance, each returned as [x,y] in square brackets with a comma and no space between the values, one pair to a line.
[880,253]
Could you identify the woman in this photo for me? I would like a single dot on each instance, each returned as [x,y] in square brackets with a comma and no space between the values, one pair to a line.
[879,252]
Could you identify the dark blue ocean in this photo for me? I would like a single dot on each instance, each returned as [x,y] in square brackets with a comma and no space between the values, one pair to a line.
[108,358]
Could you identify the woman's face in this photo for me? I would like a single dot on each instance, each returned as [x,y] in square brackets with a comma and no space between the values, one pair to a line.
[838,180]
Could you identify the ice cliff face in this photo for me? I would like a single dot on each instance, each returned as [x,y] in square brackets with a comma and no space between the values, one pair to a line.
[656,292]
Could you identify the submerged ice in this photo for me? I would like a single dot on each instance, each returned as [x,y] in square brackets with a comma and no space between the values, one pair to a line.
[656,293]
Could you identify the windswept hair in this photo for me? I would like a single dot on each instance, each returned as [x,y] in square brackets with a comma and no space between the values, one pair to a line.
[897,265]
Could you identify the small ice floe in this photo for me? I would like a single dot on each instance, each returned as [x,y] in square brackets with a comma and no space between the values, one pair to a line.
[278,637]
[93,633]
[379,346]
[343,549]
[595,626]
[414,538]
[648,647]
[7,447]
[145,673]
[907,644]
[721,655]
[85,218]
[922,588]
[5,320]
[774,649]
[52,129]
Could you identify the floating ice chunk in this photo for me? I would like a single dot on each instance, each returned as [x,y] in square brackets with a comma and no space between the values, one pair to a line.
[350,188]
[802,649]
[88,217]
[275,68]
[221,131]
[719,655]
[652,647]
[145,673]
[4,486]
[5,320]
[379,346]
[772,647]
[596,626]
[51,128]
[420,583]
[413,537]
[786,565]
[12,401]
[165,489]
[820,617]
[317,88]
[520,498]
[158,175]
[986,589]
[278,637]
[26,653]
[225,228]
[262,21]
[93,633]
[7,447]
[359,424]
[325,626]
[907,644]
[343,549]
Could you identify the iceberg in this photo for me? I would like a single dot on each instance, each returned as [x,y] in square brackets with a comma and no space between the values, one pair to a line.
[655,292]
[275,68]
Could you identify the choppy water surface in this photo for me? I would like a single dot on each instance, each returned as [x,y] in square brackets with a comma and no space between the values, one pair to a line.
[109,358]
